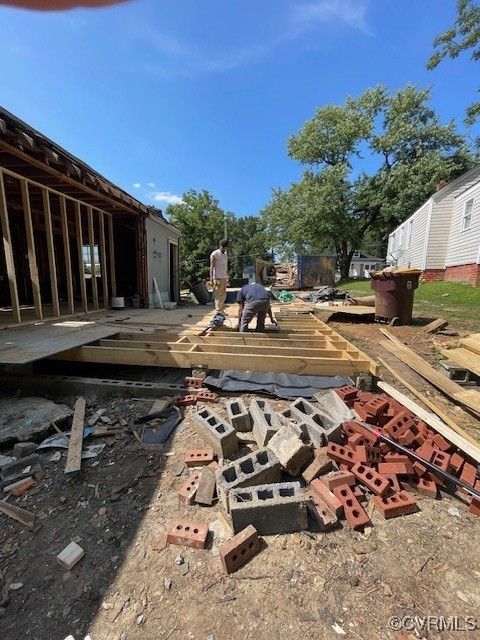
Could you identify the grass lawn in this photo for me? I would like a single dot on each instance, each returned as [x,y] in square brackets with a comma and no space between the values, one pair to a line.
[458,303]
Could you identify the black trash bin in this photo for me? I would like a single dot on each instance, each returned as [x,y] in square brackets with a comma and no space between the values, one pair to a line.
[394,293]
[201,293]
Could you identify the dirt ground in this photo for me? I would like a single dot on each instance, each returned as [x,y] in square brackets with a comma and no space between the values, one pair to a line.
[304,585]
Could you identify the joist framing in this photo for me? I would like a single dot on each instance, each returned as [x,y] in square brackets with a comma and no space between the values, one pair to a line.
[103,258]
[91,242]
[111,252]
[81,266]
[8,250]
[66,252]
[51,252]
[32,258]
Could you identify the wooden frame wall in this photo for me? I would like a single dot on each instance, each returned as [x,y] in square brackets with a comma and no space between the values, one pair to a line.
[92,213]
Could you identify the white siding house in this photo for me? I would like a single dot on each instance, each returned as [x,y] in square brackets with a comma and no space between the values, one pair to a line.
[442,237]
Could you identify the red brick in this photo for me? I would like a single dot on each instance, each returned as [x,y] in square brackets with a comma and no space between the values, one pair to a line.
[357,440]
[214,465]
[398,425]
[456,463]
[337,478]
[425,451]
[358,493]
[352,427]
[366,396]
[407,438]
[374,455]
[199,457]
[468,474]
[440,459]
[20,487]
[188,534]
[392,481]
[206,396]
[193,383]
[237,551]
[186,493]
[384,418]
[384,447]
[394,456]
[361,453]
[396,468]
[321,464]
[323,516]
[332,502]
[185,401]
[355,514]
[474,507]
[371,479]
[362,413]
[427,486]
[342,454]
[399,504]
[440,442]
[376,406]
[347,393]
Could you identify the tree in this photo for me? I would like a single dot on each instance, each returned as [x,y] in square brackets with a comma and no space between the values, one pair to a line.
[248,241]
[336,206]
[462,36]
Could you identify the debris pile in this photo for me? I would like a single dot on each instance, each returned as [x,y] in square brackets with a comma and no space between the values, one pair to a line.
[313,466]
[285,275]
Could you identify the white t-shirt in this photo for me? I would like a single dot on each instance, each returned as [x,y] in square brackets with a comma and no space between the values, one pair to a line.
[221,264]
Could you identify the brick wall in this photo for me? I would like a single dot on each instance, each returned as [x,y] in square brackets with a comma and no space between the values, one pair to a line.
[432,275]
[469,273]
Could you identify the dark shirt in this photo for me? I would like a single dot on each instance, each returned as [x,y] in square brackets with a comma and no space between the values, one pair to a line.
[253,293]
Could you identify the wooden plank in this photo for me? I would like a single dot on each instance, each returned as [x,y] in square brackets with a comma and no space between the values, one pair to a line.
[472,343]
[32,258]
[470,399]
[66,252]
[204,340]
[433,421]
[103,259]
[8,251]
[427,402]
[465,358]
[432,327]
[111,251]
[81,266]
[220,360]
[51,252]
[17,513]
[75,443]
[91,241]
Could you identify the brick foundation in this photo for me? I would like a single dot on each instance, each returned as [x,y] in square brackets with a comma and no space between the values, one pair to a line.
[468,273]
[432,275]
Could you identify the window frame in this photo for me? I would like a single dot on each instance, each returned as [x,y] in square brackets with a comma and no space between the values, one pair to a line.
[465,215]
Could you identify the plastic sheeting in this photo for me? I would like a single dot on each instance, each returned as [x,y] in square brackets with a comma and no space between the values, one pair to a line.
[287,386]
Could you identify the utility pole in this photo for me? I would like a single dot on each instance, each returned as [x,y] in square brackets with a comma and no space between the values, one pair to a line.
[225,235]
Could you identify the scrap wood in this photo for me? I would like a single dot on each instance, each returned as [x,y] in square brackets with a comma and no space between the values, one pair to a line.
[467,446]
[472,343]
[465,358]
[74,455]
[433,327]
[17,513]
[470,398]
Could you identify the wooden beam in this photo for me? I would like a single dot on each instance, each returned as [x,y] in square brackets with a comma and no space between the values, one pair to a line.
[81,266]
[111,251]
[8,250]
[91,241]
[17,513]
[103,259]
[467,359]
[473,450]
[51,252]
[147,340]
[470,398]
[66,251]
[75,443]
[32,258]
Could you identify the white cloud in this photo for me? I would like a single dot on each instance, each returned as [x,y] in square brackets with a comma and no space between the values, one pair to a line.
[151,185]
[166,196]
[137,185]
[353,13]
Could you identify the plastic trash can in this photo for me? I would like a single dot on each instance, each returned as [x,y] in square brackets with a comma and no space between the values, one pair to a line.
[394,293]
[201,293]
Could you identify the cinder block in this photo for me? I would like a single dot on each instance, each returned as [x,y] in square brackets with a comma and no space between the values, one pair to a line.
[324,425]
[265,422]
[337,478]
[22,449]
[186,493]
[398,504]
[258,467]
[207,487]
[371,479]
[218,433]
[239,415]
[240,549]
[290,450]
[321,464]
[199,457]
[329,498]
[355,514]
[318,511]
[270,508]
[188,534]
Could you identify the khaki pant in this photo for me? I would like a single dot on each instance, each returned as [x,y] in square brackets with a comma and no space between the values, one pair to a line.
[256,308]
[220,293]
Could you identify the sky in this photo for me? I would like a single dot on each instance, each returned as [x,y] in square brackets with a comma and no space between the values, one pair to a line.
[161,97]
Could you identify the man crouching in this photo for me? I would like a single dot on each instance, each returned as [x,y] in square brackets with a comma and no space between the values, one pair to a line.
[253,301]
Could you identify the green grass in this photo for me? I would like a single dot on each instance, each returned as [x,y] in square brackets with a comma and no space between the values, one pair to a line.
[458,303]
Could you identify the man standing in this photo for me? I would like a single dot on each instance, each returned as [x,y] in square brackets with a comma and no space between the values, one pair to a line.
[253,300]
[219,274]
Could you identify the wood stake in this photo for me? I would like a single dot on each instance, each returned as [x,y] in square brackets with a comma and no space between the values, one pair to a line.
[17,513]
[74,456]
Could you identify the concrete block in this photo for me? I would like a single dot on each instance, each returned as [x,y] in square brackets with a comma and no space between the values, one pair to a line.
[220,435]
[265,422]
[240,549]
[321,464]
[325,424]
[22,449]
[239,415]
[290,450]
[270,508]
[259,467]
[69,557]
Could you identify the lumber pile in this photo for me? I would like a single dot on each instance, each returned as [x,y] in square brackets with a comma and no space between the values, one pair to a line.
[286,275]
[468,354]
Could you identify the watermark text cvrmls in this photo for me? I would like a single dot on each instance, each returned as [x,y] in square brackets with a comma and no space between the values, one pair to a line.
[433,623]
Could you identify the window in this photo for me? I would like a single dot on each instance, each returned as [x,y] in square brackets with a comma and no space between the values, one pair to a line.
[467,214]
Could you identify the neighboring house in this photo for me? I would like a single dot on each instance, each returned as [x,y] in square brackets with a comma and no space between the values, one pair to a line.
[162,258]
[362,264]
[442,237]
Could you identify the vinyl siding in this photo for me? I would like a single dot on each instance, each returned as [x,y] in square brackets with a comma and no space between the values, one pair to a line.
[463,246]
[413,255]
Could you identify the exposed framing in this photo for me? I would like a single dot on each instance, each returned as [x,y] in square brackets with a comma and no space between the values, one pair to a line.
[51,252]
[32,258]
[7,247]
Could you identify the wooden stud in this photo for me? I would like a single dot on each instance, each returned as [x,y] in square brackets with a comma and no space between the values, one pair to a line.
[17,513]
[75,444]
[111,247]
[103,258]
[8,250]
[32,258]
[51,252]
[78,226]
[91,241]
[66,251]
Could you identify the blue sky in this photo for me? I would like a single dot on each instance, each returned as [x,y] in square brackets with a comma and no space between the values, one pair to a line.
[164,96]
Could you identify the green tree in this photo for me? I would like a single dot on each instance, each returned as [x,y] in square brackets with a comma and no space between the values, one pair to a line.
[336,206]
[462,36]
[248,241]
